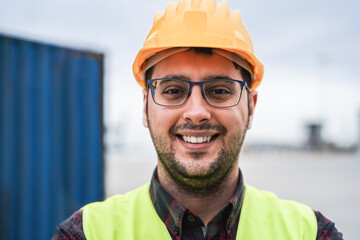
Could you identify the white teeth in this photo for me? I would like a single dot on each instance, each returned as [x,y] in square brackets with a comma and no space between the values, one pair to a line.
[192,139]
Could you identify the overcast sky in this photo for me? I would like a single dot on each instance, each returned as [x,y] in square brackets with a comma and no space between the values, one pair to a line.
[310,50]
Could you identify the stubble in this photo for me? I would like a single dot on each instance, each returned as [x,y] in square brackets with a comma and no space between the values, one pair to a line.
[206,179]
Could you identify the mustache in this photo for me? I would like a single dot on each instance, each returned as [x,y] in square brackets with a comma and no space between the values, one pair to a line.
[205,126]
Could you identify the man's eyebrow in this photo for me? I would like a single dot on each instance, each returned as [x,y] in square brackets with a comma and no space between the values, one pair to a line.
[211,77]
[216,77]
[175,76]
[165,81]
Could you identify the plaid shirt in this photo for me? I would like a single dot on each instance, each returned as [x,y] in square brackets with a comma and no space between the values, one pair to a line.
[186,225]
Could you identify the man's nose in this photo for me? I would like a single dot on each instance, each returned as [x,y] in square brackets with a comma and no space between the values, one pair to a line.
[196,107]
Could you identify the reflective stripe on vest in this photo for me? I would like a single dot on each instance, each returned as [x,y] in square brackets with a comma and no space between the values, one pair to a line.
[133,217]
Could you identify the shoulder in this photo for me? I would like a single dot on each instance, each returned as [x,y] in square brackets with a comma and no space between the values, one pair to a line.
[290,218]
[118,201]
[118,209]
[71,228]
[265,200]
[269,200]
[75,226]
[326,229]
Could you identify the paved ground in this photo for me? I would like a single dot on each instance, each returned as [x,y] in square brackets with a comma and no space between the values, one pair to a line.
[327,182]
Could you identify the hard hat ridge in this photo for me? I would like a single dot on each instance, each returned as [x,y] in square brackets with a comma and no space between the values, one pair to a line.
[223,9]
[211,6]
[195,4]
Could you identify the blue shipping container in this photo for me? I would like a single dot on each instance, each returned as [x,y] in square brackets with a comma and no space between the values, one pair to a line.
[51,123]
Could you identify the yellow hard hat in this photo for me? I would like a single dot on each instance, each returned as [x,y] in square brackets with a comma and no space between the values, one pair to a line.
[198,23]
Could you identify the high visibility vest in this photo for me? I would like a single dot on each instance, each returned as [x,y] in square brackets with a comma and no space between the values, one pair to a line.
[132,217]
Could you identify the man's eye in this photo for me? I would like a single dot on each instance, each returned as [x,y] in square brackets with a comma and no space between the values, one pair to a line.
[172,91]
[220,91]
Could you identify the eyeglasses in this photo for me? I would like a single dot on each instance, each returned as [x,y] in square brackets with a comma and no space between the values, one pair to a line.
[172,92]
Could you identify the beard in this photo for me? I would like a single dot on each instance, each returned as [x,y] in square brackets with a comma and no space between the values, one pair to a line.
[196,178]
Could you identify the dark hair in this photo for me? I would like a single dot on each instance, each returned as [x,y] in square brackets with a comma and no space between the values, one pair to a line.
[246,76]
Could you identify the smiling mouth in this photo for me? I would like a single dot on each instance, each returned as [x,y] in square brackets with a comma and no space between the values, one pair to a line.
[197,140]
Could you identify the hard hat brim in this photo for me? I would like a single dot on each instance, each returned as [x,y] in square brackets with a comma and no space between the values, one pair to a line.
[146,53]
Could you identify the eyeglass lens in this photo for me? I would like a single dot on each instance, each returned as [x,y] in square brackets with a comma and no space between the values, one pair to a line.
[172,92]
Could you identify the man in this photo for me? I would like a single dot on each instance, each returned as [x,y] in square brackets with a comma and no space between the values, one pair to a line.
[199,76]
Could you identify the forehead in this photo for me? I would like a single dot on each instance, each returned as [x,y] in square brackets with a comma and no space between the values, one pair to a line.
[196,67]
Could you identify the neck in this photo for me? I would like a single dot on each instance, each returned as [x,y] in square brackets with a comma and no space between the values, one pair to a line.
[204,205]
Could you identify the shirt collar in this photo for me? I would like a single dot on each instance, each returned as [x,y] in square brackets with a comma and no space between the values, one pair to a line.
[171,212]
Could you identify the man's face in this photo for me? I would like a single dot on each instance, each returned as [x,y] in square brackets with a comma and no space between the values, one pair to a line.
[203,165]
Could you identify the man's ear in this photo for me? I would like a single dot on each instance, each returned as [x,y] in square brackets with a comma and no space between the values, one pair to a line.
[145,120]
[252,103]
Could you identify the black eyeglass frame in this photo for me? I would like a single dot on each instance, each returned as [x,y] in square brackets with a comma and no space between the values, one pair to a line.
[201,84]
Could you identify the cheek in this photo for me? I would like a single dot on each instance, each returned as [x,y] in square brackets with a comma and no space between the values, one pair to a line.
[161,119]
[234,120]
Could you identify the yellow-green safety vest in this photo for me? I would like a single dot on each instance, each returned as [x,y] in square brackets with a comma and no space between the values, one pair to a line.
[263,217]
